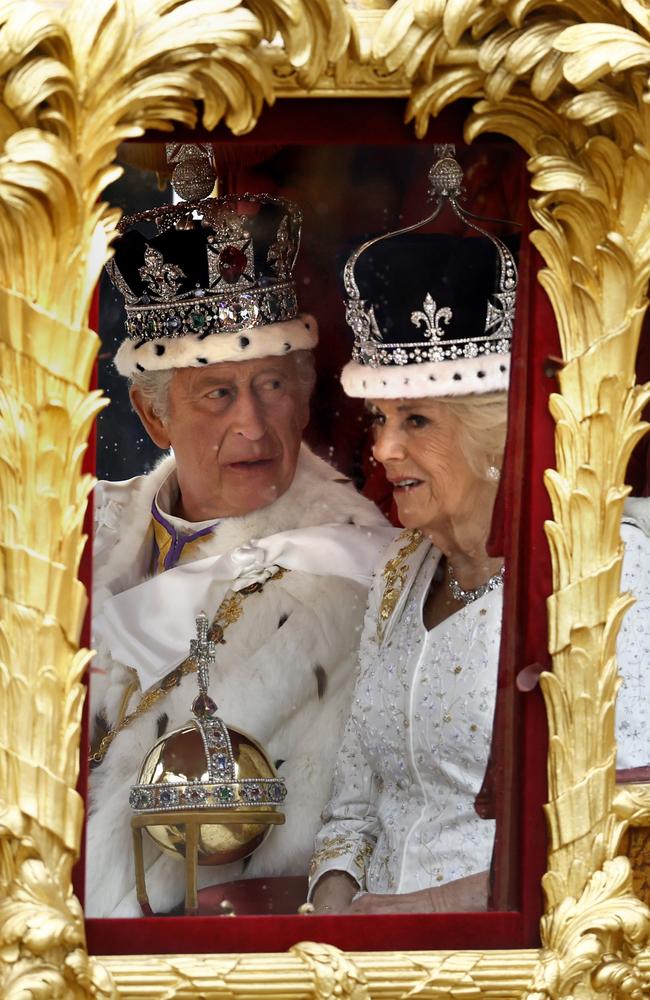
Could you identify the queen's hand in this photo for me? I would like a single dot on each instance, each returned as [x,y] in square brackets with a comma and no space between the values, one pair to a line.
[464,895]
[334,892]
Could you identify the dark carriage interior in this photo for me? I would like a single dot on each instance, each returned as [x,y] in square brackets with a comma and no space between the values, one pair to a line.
[354,168]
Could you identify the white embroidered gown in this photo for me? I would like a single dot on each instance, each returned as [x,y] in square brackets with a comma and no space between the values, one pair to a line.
[401,816]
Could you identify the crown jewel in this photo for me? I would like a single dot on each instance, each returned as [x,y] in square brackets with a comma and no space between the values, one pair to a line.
[221,785]
[401,262]
[218,265]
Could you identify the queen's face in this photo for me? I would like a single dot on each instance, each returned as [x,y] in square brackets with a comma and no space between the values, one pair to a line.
[417,442]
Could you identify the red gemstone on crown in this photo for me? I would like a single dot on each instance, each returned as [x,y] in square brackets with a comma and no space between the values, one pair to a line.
[232,264]
[203,705]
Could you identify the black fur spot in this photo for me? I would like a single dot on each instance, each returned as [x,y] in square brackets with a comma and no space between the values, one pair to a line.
[480,374]
[287,347]
[282,620]
[457,376]
[432,378]
[139,367]
[202,361]
[244,342]
[161,724]
[321,681]
[139,344]
[101,726]
[502,368]
[159,349]
[278,764]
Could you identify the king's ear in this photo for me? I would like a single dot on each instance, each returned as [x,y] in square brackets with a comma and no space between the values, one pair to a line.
[155,427]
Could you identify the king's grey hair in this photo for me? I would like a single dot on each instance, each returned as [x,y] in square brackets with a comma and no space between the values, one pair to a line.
[154,389]
[154,386]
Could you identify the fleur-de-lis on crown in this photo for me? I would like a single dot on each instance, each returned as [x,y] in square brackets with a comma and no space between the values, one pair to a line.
[163,279]
[432,317]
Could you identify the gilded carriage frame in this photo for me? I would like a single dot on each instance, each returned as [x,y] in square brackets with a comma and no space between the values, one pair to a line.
[568,82]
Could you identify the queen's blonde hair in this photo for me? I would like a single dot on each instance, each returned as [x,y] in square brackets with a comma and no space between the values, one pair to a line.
[483,424]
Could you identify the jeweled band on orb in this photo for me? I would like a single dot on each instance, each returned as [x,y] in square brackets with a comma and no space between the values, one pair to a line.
[199,794]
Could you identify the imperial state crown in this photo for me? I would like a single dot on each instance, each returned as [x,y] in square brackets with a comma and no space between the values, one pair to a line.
[207,281]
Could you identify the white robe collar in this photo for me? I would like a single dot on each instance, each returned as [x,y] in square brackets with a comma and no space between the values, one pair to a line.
[314,497]
[150,625]
[165,501]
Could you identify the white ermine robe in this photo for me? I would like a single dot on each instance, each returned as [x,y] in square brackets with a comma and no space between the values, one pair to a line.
[284,674]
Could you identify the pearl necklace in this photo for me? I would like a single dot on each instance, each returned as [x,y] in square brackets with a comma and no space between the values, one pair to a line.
[467,596]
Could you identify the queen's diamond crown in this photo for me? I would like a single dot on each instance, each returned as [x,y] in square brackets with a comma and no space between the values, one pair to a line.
[439,334]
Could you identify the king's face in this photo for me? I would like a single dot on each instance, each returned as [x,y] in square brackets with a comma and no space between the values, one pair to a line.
[235,428]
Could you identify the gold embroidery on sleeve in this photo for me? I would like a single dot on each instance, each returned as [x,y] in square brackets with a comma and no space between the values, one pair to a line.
[333,847]
[337,847]
[362,856]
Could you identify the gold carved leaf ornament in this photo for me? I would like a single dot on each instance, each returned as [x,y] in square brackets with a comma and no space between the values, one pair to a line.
[78,79]
[81,77]
[574,95]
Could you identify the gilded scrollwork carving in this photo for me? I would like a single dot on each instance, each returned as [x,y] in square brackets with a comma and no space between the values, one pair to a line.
[632,804]
[574,95]
[77,79]
[334,972]
[42,944]
[596,940]
[569,83]
[315,971]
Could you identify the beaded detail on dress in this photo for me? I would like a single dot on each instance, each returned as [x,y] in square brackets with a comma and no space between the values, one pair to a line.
[415,750]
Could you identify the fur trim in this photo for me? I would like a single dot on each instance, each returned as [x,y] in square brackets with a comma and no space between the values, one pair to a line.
[463,377]
[121,549]
[285,674]
[317,495]
[190,351]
